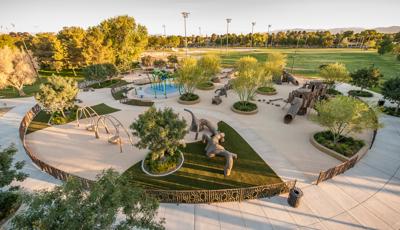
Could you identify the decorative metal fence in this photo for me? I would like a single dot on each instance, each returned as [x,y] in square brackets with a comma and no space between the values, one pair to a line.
[165,196]
[221,195]
[339,169]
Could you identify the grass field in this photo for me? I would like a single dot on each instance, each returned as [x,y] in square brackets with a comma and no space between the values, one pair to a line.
[200,172]
[41,120]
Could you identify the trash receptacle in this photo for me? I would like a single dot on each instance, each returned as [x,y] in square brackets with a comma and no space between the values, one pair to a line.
[294,198]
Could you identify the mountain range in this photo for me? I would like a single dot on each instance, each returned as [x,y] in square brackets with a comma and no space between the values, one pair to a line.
[389,29]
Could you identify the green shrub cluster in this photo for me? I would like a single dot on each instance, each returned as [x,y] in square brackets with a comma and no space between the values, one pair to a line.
[205,85]
[9,203]
[347,146]
[168,163]
[332,91]
[245,106]
[360,93]
[266,89]
[189,97]
[100,71]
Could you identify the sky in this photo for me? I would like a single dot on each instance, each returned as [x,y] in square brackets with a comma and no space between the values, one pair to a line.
[209,15]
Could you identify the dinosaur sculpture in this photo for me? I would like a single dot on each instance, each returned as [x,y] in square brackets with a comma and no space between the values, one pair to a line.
[214,148]
[198,125]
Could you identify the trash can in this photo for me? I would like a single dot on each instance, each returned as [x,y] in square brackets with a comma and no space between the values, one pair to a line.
[294,198]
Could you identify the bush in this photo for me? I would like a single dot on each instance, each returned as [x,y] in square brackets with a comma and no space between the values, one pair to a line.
[162,165]
[137,102]
[360,93]
[391,111]
[245,106]
[172,59]
[189,97]
[160,63]
[333,92]
[100,71]
[346,146]
[205,85]
[147,61]
[266,89]
[108,83]
[391,91]
[9,203]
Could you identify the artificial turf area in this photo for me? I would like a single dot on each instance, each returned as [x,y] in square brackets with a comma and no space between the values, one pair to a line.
[42,118]
[200,172]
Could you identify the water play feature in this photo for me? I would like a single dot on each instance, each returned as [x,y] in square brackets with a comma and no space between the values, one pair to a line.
[162,85]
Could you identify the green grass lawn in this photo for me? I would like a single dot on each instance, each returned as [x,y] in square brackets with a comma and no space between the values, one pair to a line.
[200,172]
[41,120]
[307,61]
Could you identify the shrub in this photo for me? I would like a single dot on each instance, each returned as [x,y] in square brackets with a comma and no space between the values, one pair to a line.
[160,63]
[346,146]
[366,77]
[147,61]
[245,106]
[205,85]
[266,89]
[189,97]
[173,59]
[360,93]
[210,65]
[100,71]
[333,92]
[188,75]
[391,91]
[333,73]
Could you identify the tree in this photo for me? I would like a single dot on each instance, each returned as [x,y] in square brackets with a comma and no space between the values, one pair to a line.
[161,131]
[344,115]
[209,65]
[249,78]
[188,75]
[16,69]
[9,172]
[7,40]
[275,65]
[58,94]
[391,91]
[396,51]
[71,206]
[386,45]
[147,60]
[366,77]
[72,40]
[100,71]
[333,73]
[95,49]
[128,38]
[49,51]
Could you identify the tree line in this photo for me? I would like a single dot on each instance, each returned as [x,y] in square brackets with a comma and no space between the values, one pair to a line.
[119,40]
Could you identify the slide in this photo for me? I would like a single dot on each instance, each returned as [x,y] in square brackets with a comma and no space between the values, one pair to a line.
[294,108]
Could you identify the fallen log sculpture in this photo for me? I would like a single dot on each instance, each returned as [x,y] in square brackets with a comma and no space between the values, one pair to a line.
[213,148]
[293,110]
[289,78]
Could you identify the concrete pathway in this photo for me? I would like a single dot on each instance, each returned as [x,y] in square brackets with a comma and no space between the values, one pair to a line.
[365,197]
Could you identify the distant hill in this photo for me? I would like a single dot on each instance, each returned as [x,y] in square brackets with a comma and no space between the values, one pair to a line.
[390,29]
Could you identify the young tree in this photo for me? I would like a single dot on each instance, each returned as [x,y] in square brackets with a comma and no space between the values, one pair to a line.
[72,40]
[250,76]
[16,69]
[95,49]
[209,65]
[71,206]
[58,94]
[343,115]
[49,51]
[275,64]
[161,131]
[333,73]
[391,91]
[9,172]
[128,38]
[366,77]
[386,45]
[188,75]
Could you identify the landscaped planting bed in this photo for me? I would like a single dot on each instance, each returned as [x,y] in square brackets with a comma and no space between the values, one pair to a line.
[346,146]
[266,90]
[391,111]
[200,172]
[359,93]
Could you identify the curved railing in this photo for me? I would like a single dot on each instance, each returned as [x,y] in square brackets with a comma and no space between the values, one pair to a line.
[166,196]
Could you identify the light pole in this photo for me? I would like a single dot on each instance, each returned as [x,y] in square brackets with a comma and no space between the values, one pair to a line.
[252,31]
[165,31]
[266,42]
[228,20]
[185,16]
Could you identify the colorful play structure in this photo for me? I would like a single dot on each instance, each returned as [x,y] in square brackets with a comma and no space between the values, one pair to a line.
[162,82]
